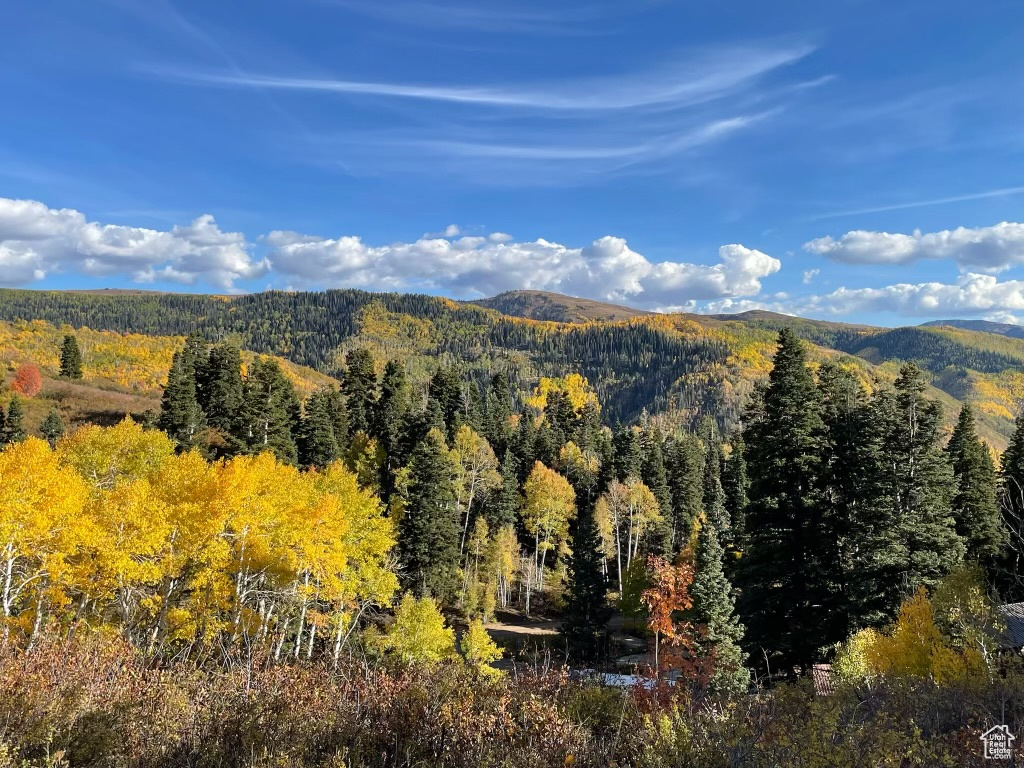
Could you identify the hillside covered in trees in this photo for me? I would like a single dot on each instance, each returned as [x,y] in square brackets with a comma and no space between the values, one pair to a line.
[259,547]
[681,367]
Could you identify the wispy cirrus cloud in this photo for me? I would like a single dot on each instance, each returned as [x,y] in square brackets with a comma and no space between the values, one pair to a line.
[926,203]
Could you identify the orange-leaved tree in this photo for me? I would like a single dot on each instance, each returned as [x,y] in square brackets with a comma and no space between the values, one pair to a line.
[27,380]
[667,596]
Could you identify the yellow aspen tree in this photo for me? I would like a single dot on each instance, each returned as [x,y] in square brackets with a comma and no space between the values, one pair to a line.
[476,473]
[104,457]
[420,635]
[41,514]
[550,507]
[625,513]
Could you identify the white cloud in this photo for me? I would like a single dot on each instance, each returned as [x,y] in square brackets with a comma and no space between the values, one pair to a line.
[36,240]
[483,266]
[987,249]
[810,274]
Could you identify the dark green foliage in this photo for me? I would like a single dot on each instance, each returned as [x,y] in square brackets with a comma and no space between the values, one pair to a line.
[70,358]
[272,411]
[714,608]
[180,414]
[445,394]
[917,483]
[317,440]
[712,492]
[52,428]
[391,414]
[587,610]
[975,506]
[221,395]
[359,385]
[684,466]
[505,508]
[498,413]
[1011,508]
[428,532]
[734,485]
[785,569]
[14,424]
[629,459]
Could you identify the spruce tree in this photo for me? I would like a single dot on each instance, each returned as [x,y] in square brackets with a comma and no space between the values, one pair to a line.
[390,413]
[445,392]
[1011,504]
[428,531]
[52,428]
[628,454]
[14,428]
[180,415]
[712,492]
[715,610]
[359,385]
[975,505]
[3,426]
[507,505]
[498,413]
[919,486]
[223,398]
[273,411]
[784,571]
[684,465]
[734,485]
[317,442]
[70,358]
[587,611]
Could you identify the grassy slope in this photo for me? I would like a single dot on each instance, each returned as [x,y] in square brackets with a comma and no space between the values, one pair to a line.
[123,373]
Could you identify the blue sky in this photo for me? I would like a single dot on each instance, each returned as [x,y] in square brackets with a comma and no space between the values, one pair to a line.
[853,159]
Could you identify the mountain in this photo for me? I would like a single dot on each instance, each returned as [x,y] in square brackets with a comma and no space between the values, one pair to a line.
[985,326]
[679,367]
[543,305]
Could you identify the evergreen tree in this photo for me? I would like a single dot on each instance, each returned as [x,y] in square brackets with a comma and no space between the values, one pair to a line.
[223,397]
[390,414]
[1011,505]
[14,428]
[975,506]
[498,413]
[180,415]
[509,502]
[628,454]
[684,467]
[445,391]
[784,571]
[428,531]
[587,612]
[734,485]
[318,443]
[359,385]
[712,492]
[715,609]
[3,427]
[473,407]
[272,411]
[655,477]
[70,358]
[919,486]
[52,428]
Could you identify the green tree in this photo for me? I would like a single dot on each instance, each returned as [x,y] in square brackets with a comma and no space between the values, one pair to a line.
[359,385]
[390,415]
[975,504]
[712,492]
[223,397]
[784,572]
[919,487]
[180,415]
[70,358]
[272,410]
[508,503]
[317,441]
[419,635]
[52,427]
[14,428]
[1011,506]
[428,531]
[734,485]
[715,609]
[684,464]
[587,611]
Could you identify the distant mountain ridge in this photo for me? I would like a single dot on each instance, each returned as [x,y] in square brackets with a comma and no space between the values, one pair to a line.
[677,366]
[984,326]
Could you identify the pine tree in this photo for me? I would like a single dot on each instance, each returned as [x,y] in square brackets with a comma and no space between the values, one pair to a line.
[653,471]
[180,415]
[498,413]
[919,486]
[509,502]
[587,610]
[317,442]
[428,532]
[628,454]
[223,397]
[52,427]
[712,492]
[70,358]
[3,427]
[715,609]
[14,429]
[272,410]
[445,390]
[975,506]
[359,385]
[734,485]
[684,466]
[784,571]
[391,412]
[1011,506]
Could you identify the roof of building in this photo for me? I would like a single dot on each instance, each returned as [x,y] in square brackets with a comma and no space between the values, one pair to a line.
[1013,615]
